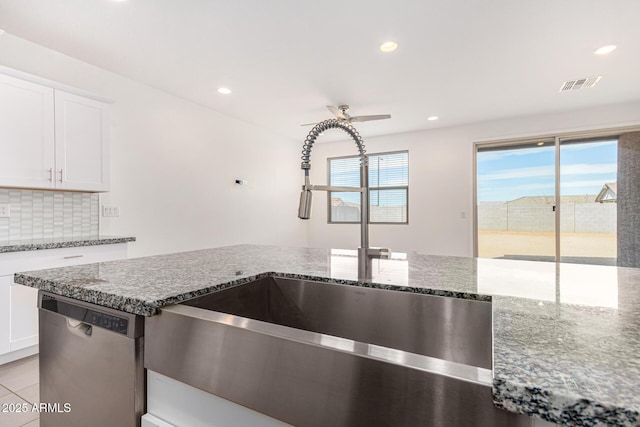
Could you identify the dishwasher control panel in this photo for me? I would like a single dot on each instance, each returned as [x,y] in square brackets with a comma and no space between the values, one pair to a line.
[107,321]
[118,324]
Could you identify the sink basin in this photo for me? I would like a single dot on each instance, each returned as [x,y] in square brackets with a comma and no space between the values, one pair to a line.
[320,354]
[452,329]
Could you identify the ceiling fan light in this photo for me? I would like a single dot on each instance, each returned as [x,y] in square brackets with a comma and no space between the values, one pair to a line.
[388,46]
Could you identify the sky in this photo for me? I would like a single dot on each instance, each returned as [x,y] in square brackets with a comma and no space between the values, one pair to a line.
[513,173]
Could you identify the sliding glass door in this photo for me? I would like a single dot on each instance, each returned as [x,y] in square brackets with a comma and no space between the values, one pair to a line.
[588,194]
[547,200]
[516,201]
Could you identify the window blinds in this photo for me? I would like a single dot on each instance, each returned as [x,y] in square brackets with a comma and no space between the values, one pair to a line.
[388,182]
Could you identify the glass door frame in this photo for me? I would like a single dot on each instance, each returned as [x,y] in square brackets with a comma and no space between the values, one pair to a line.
[557,138]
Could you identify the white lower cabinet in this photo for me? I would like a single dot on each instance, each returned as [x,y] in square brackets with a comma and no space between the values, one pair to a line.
[173,403]
[19,321]
[5,312]
[23,321]
[19,304]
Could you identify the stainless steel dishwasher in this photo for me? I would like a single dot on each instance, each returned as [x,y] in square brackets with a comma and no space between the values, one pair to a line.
[91,367]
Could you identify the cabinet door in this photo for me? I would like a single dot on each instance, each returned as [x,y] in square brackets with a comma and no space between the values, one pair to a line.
[5,295]
[23,329]
[26,134]
[82,143]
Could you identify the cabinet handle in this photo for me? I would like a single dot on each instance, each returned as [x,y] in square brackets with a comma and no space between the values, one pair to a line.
[60,175]
[50,174]
[73,256]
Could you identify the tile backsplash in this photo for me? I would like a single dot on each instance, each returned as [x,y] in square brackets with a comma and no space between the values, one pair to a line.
[41,214]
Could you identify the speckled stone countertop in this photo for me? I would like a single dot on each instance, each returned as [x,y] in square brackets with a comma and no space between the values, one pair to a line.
[39,244]
[566,336]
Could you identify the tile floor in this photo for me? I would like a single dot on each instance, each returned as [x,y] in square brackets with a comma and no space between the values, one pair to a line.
[19,385]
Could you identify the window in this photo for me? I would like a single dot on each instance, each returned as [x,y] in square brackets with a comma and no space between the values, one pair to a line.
[388,188]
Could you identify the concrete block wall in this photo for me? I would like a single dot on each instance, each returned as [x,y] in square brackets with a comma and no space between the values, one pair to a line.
[595,218]
[574,217]
[531,218]
[492,216]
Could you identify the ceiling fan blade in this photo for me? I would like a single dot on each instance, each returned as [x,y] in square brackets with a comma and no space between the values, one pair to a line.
[337,112]
[310,124]
[369,118]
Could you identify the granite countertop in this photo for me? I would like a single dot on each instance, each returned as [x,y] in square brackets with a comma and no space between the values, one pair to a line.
[566,336]
[39,244]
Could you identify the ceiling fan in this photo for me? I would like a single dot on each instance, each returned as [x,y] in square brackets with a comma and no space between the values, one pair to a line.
[341,114]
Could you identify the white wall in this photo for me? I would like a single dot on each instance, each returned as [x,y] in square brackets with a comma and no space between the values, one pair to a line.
[173,164]
[441,178]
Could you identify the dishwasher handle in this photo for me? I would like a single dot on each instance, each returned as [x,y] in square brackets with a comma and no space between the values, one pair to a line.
[79,328]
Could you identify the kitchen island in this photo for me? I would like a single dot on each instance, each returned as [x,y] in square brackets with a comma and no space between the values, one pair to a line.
[566,336]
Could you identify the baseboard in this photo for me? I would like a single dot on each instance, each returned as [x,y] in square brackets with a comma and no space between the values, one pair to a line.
[19,354]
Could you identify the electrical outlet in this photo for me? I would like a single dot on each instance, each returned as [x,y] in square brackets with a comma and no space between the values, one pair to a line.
[112,211]
[5,210]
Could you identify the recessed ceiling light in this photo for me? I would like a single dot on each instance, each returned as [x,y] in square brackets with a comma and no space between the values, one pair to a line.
[1,32]
[388,46]
[432,118]
[540,144]
[224,90]
[605,49]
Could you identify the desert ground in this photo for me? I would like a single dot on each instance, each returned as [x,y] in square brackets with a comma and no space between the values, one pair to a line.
[497,244]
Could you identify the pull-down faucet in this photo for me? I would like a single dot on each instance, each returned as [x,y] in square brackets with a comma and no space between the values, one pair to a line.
[365,253]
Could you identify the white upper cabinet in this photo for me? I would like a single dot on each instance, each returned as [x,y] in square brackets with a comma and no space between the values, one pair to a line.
[82,143]
[26,134]
[51,138]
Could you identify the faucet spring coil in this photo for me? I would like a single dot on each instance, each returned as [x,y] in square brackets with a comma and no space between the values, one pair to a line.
[331,124]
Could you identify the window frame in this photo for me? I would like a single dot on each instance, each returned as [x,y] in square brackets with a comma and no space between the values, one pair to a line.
[397,187]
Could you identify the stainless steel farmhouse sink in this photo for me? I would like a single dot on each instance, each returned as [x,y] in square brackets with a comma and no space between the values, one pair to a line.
[320,354]
[452,329]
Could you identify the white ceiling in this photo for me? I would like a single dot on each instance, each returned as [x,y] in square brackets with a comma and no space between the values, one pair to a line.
[462,60]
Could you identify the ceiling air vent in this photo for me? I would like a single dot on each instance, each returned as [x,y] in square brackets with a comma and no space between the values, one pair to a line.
[585,83]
